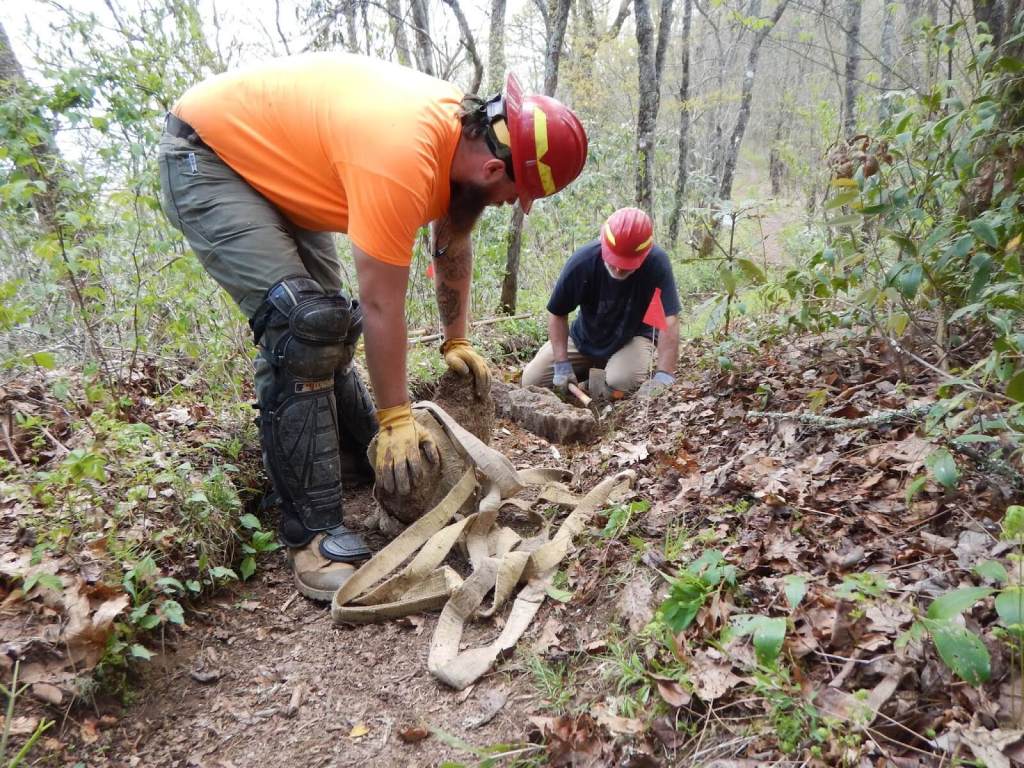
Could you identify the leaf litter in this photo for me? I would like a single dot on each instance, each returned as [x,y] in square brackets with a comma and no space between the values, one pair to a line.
[822,534]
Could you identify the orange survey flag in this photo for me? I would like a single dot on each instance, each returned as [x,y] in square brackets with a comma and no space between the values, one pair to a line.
[655,314]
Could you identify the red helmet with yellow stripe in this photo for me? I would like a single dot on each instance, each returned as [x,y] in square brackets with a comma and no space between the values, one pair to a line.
[547,141]
[626,238]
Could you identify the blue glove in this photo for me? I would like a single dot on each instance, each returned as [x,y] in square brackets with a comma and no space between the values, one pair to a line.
[563,374]
[655,385]
[664,377]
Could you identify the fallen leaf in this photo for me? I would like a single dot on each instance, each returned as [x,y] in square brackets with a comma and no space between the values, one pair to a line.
[634,603]
[631,453]
[712,675]
[548,636]
[358,731]
[205,676]
[88,731]
[51,694]
[413,734]
[615,723]
[24,725]
[672,692]
[491,703]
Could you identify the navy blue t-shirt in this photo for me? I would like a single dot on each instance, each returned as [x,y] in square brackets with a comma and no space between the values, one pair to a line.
[611,311]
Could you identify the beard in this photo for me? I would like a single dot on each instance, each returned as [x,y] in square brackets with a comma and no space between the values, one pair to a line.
[467,203]
[612,275]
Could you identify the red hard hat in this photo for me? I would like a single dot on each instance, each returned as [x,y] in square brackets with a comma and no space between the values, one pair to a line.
[626,238]
[548,143]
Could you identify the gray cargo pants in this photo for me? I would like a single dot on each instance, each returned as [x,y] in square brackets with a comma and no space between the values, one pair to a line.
[244,242]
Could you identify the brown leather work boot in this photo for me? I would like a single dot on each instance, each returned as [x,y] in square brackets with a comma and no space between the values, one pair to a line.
[315,576]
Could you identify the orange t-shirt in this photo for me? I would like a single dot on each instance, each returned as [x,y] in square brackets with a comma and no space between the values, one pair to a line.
[339,143]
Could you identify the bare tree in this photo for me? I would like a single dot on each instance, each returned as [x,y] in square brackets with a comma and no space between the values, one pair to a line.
[470,44]
[647,114]
[650,62]
[619,20]
[853,17]
[556,19]
[47,166]
[496,48]
[396,24]
[421,29]
[684,127]
[746,95]
[888,58]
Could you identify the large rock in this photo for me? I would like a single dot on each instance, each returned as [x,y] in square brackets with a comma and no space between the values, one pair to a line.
[541,412]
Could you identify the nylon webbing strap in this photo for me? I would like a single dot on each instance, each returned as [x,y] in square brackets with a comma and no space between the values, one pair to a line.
[384,588]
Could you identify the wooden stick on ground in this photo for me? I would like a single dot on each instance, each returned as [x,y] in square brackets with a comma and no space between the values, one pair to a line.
[477,324]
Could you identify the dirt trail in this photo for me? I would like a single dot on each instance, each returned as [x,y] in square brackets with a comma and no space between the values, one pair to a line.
[219,696]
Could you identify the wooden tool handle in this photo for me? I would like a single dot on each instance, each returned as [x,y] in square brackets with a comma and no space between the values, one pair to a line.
[580,394]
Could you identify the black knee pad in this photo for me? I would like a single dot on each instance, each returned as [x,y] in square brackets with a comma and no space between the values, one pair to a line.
[303,334]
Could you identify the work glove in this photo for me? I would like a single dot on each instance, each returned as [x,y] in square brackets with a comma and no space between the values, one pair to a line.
[562,376]
[401,448]
[657,384]
[463,359]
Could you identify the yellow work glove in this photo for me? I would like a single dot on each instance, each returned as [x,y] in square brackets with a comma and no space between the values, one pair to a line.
[401,446]
[463,359]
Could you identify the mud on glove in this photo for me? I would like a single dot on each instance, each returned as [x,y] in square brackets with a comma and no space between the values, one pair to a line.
[463,359]
[401,448]
[563,374]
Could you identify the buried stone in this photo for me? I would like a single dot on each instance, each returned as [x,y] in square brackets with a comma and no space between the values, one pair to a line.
[541,412]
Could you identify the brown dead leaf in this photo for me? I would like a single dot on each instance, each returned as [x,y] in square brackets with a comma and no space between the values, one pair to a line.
[88,731]
[413,734]
[24,725]
[491,703]
[635,603]
[88,629]
[548,636]
[672,692]
[573,741]
[51,694]
[712,675]
[668,734]
[615,723]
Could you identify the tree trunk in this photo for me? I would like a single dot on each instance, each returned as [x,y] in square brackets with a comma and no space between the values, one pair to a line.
[496,48]
[684,128]
[350,26]
[888,56]
[664,31]
[421,25]
[853,15]
[746,96]
[588,45]
[510,282]
[396,24]
[470,43]
[619,20]
[47,165]
[647,113]
[558,17]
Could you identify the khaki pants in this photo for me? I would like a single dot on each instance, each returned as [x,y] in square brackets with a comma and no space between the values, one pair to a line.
[626,370]
[244,242]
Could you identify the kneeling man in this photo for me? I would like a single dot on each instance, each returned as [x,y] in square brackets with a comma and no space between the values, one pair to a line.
[618,282]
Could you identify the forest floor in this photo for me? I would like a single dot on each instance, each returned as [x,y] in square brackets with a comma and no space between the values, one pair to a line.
[837,538]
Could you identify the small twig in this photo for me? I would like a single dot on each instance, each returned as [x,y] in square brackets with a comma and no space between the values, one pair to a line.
[477,324]
[8,444]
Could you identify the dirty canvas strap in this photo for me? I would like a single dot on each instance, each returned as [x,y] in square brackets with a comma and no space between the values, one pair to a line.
[501,559]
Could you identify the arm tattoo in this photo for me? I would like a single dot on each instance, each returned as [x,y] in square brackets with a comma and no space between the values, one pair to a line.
[448,303]
[455,261]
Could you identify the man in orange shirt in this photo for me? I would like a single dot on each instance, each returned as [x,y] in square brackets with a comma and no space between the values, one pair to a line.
[259,166]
